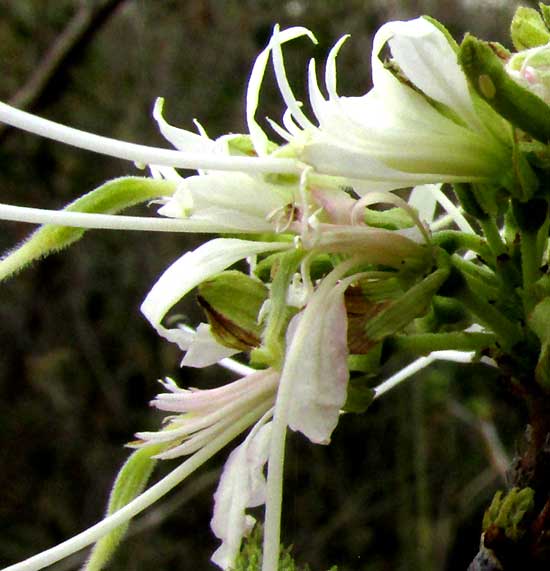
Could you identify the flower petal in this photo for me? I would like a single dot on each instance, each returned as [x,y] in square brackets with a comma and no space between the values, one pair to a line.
[430,62]
[204,350]
[242,485]
[320,335]
[189,271]
[182,139]
[259,138]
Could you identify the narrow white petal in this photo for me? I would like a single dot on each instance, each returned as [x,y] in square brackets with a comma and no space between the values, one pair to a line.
[259,138]
[316,98]
[182,139]
[319,335]
[330,70]
[282,81]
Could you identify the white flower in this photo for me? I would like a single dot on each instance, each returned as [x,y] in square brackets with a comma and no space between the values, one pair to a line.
[392,137]
[404,132]
[314,379]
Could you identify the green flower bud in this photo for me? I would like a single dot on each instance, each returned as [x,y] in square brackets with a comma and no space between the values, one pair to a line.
[528,29]
[488,76]
[232,302]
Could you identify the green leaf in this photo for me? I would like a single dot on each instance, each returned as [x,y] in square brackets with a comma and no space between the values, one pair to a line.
[130,482]
[232,302]
[110,198]
[487,75]
[528,29]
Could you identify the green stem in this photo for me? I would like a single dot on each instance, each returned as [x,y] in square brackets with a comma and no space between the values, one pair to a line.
[507,332]
[485,280]
[492,235]
[530,265]
[425,343]
[453,240]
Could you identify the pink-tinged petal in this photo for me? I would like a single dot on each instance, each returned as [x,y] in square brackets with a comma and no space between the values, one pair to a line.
[189,271]
[336,203]
[320,391]
[242,486]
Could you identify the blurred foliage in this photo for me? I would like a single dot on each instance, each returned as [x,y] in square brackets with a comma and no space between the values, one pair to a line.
[401,488]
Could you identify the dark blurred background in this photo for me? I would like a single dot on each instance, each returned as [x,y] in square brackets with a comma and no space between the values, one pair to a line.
[400,488]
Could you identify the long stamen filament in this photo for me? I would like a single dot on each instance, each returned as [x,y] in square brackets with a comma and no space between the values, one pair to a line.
[107,221]
[141,153]
[421,363]
[154,493]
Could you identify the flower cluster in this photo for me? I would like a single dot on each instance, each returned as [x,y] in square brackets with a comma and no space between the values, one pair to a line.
[337,262]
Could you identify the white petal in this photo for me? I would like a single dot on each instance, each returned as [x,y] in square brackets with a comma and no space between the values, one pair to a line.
[242,485]
[320,391]
[429,61]
[330,70]
[375,175]
[259,138]
[189,271]
[424,201]
[181,139]
[282,80]
[204,350]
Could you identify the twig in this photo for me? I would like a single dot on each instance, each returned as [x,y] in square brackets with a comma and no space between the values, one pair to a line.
[78,33]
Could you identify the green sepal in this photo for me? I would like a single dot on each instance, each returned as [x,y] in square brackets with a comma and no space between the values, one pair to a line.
[109,198]
[468,200]
[445,314]
[129,483]
[412,304]
[232,302]
[487,75]
[242,145]
[528,29]
[359,396]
